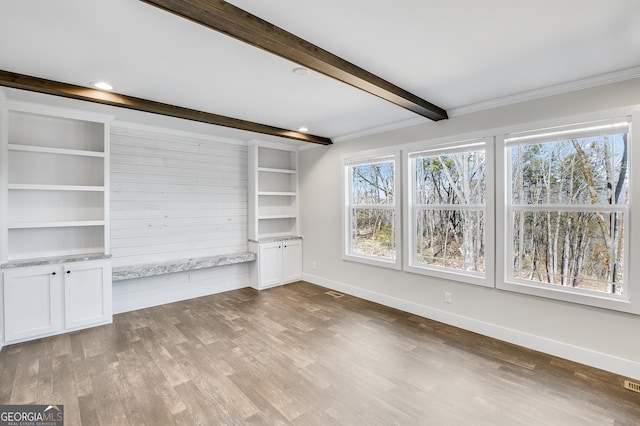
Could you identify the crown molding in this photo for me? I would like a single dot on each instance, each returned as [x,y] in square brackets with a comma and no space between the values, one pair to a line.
[381,129]
[558,89]
[572,86]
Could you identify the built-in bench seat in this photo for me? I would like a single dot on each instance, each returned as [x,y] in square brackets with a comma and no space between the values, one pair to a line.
[150,269]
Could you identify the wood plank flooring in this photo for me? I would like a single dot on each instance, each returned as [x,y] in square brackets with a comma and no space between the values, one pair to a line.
[296,355]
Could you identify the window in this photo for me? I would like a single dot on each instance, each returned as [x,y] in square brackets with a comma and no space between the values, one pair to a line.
[568,209]
[372,222]
[447,212]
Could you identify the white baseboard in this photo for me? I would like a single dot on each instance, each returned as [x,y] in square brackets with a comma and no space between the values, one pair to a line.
[613,364]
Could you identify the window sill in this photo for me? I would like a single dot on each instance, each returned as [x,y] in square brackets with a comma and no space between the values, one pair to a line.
[599,300]
[449,274]
[389,264]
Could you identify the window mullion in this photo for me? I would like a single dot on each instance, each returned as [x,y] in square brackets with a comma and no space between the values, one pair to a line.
[521,244]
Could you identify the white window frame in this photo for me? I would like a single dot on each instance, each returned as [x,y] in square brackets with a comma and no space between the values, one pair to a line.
[411,209]
[504,234]
[369,157]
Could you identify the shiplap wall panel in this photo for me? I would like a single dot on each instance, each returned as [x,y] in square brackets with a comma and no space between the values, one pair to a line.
[175,197]
[140,293]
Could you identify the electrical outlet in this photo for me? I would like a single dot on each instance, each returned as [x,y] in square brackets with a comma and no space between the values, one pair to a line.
[447,297]
[313,265]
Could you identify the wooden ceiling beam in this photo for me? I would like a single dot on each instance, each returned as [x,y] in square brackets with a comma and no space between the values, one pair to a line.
[35,84]
[239,24]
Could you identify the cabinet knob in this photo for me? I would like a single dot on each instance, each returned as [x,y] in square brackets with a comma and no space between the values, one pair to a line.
[53,273]
[68,272]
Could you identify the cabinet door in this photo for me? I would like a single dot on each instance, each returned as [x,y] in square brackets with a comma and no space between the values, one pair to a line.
[292,260]
[87,294]
[270,258]
[32,301]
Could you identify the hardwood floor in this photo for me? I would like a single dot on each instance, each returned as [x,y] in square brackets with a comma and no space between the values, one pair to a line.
[296,355]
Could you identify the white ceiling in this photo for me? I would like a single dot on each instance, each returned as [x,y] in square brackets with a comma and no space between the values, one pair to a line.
[455,53]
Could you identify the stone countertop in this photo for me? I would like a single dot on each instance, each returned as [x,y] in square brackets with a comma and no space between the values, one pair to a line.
[272,239]
[150,269]
[54,260]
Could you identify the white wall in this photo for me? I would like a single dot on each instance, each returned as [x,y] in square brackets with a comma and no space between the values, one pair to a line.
[602,338]
[175,197]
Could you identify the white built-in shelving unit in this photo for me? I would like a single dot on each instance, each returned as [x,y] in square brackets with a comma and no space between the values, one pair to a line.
[55,186]
[273,192]
[273,215]
[54,216]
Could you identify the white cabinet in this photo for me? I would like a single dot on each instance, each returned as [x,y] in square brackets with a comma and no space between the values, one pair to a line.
[270,269]
[32,302]
[87,294]
[278,262]
[291,260]
[50,299]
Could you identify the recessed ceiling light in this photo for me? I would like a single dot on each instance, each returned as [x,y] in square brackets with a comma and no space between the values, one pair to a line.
[303,129]
[102,85]
[300,72]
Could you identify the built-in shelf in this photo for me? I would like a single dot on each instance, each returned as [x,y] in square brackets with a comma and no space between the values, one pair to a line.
[277,194]
[37,187]
[56,182]
[37,242]
[272,170]
[273,191]
[277,216]
[59,151]
[65,224]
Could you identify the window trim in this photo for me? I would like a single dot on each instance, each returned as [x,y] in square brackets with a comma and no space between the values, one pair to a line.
[486,279]
[369,157]
[504,279]
[495,246]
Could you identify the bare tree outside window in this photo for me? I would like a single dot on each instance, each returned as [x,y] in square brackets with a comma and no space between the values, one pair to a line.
[449,208]
[373,229]
[569,207]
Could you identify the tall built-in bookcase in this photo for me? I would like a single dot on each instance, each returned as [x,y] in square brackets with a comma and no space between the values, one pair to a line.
[55,183]
[273,192]
[54,245]
[273,215]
